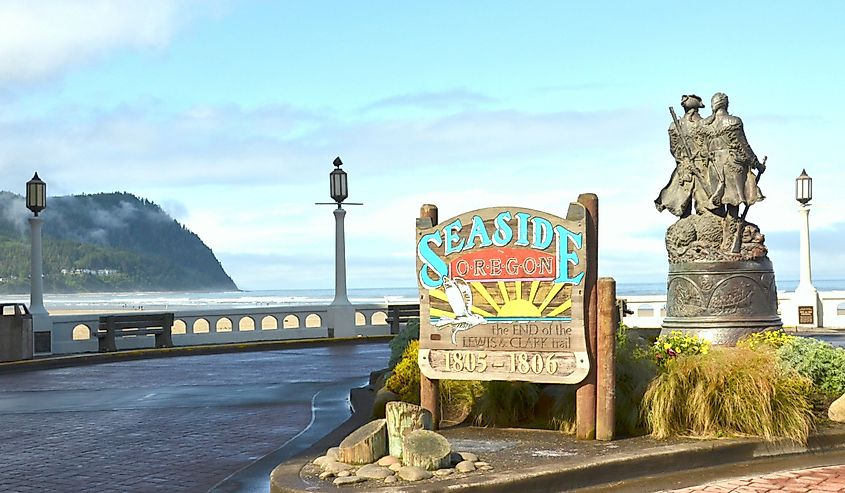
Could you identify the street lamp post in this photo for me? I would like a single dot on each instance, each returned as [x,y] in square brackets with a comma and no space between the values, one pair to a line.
[806,296]
[36,201]
[341,313]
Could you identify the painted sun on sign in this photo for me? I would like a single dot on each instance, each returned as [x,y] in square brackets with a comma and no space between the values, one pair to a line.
[502,279]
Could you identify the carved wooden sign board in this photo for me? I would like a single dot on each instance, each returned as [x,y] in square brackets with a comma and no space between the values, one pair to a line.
[501,296]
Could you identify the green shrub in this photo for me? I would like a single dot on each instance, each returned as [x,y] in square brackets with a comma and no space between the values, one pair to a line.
[635,369]
[400,341]
[818,361]
[769,338]
[729,392]
[506,404]
[405,381]
[676,343]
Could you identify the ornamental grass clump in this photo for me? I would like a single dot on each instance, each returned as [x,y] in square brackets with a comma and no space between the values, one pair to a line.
[729,392]
[506,404]
[635,370]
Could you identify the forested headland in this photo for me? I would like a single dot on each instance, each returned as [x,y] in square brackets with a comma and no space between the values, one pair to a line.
[105,242]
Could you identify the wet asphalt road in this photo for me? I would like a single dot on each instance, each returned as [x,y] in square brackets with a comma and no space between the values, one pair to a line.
[179,424]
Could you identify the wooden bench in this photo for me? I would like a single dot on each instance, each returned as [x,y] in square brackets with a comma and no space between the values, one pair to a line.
[401,314]
[134,324]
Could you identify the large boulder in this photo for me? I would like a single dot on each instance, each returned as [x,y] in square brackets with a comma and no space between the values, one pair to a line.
[427,450]
[366,444]
[837,410]
[383,396]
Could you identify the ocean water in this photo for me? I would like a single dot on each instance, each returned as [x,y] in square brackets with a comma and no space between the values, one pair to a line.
[185,300]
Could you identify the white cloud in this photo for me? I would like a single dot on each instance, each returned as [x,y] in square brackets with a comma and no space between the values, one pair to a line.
[42,38]
[245,179]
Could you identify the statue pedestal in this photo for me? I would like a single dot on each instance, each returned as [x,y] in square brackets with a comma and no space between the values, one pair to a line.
[721,301]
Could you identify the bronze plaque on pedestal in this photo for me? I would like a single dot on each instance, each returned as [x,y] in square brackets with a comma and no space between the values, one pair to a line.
[805,315]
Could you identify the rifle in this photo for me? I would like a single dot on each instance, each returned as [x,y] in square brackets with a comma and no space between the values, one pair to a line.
[695,170]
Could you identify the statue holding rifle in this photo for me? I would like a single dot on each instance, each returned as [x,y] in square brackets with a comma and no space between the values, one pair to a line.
[721,283]
[714,176]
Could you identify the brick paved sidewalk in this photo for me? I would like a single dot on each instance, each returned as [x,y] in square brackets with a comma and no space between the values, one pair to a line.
[819,479]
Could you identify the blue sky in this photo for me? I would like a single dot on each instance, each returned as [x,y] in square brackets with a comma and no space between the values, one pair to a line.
[229,114]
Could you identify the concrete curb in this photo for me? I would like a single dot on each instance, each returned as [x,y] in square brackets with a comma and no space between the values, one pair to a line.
[48,362]
[597,472]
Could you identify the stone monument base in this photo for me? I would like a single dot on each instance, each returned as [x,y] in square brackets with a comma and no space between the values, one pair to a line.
[721,301]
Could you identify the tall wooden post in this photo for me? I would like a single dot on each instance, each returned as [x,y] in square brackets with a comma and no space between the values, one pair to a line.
[430,389]
[606,364]
[585,395]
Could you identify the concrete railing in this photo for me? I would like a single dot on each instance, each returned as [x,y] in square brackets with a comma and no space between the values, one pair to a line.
[650,310]
[74,333]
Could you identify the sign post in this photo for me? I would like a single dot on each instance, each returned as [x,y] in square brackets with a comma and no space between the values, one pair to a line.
[429,389]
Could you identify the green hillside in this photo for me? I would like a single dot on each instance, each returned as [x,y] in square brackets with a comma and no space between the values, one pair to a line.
[105,242]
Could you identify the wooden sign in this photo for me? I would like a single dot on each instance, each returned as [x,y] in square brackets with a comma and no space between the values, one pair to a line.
[805,315]
[501,296]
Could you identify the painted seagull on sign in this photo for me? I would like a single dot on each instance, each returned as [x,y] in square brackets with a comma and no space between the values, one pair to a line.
[459,296]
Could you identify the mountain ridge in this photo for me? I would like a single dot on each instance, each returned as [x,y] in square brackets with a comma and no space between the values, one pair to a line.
[106,242]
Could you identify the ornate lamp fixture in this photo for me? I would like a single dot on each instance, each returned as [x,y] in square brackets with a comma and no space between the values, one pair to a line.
[804,188]
[36,194]
[339,189]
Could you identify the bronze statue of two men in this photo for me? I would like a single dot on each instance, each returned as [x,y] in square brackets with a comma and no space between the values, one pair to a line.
[714,175]
[721,283]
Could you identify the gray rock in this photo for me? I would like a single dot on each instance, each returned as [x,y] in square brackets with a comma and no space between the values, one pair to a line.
[837,410]
[373,471]
[480,463]
[348,480]
[326,475]
[444,472]
[486,468]
[387,460]
[395,466]
[413,473]
[465,466]
[426,449]
[455,458]
[468,456]
[344,474]
[391,480]
[319,461]
[383,396]
[333,453]
[335,467]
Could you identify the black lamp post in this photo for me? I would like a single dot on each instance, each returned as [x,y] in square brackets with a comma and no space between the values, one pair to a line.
[803,188]
[341,313]
[36,201]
